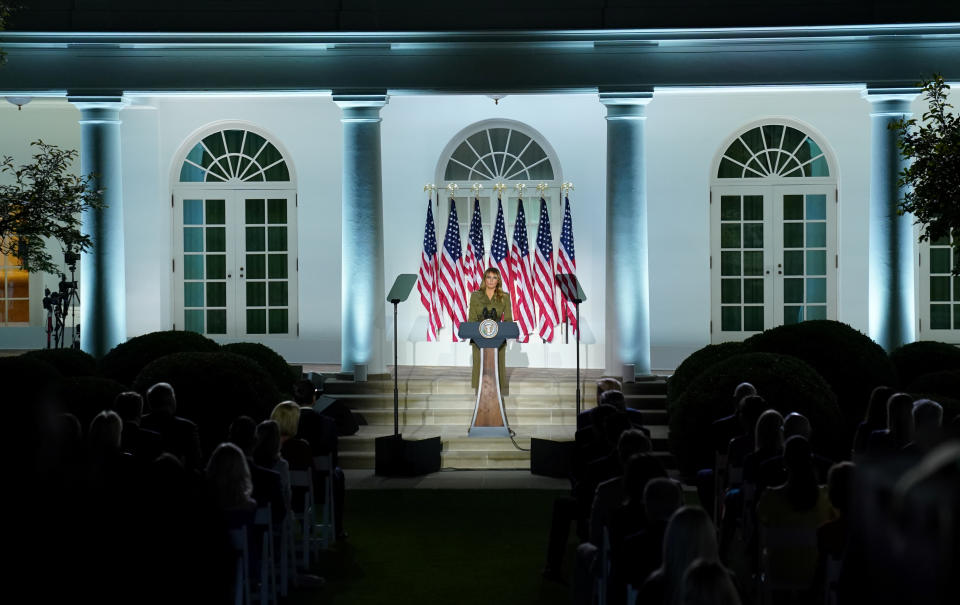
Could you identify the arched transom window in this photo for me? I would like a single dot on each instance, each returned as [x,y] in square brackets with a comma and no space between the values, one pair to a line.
[234,155]
[773,150]
[499,153]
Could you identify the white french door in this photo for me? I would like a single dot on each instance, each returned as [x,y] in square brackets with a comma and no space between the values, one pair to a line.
[235,264]
[773,257]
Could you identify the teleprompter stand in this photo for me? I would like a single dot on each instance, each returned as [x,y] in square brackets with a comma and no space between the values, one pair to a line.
[570,290]
[393,456]
[489,418]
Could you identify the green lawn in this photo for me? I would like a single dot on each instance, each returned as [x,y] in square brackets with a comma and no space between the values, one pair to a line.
[439,547]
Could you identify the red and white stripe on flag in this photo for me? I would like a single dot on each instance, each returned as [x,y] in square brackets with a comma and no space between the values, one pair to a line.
[567,265]
[543,277]
[521,287]
[499,252]
[427,282]
[473,258]
[453,293]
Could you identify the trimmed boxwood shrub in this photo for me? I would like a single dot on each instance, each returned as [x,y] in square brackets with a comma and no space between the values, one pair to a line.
[848,360]
[26,380]
[787,383]
[69,362]
[943,387]
[276,366]
[923,357]
[125,361]
[87,396]
[696,363]
[27,384]
[212,389]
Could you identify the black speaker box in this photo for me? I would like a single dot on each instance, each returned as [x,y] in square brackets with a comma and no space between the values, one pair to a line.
[551,458]
[397,457]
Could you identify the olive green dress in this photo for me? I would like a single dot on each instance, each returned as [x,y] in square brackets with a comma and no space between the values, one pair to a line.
[482,307]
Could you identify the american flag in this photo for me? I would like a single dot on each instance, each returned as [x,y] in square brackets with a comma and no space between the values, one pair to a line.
[499,253]
[567,265]
[543,277]
[453,294]
[427,284]
[473,260]
[522,284]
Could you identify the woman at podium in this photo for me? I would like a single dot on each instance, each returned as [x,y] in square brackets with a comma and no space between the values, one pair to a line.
[490,302]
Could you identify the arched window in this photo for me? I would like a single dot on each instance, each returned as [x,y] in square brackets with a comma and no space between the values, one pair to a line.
[234,155]
[773,150]
[773,231]
[235,260]
[499,151]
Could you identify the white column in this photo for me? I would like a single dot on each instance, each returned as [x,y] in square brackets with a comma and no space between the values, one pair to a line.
[362,304]
[892,286]
[103,313]
[628,280]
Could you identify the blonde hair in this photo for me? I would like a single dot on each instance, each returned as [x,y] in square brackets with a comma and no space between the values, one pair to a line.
[498,291]
[607,384]
[287,416]
[228,477]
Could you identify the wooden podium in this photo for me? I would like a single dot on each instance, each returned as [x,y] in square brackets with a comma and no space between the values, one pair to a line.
[489,419]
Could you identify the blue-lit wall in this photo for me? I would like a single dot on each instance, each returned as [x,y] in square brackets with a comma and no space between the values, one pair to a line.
[684,132]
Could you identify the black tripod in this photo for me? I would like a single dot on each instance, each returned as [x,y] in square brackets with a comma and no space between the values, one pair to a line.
[60,304]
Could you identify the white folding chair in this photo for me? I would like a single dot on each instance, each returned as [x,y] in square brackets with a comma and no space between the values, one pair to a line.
[241,581]
[303,480]
[604,568]
[266,592]
[774,541]
[325,526]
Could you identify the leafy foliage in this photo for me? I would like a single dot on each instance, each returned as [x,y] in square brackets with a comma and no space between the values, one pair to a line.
[87,396]
[276,366]
[943,387]
[69,362]
[850,362]
[932,179]
[125,360]
[787,383]
[212,389]
[923,357]
[696,363]
[44,201]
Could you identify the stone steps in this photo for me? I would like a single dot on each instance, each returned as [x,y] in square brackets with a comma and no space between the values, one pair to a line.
[439,402]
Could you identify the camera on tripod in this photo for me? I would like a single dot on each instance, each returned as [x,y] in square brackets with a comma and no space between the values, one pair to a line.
[62,302]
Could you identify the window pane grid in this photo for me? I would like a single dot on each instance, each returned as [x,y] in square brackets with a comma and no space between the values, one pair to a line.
[804,258]
[267,261]
[741,263]
[944,286]
[204,266]
[14,292]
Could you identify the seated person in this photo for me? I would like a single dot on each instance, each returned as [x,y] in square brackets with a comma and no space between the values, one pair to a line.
[927,421]
[145,445]
[178,436]
[899,431]
[800,503]
[585,418]
[643,551]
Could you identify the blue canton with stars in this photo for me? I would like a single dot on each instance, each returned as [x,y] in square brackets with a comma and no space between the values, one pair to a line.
[544,239]
[498,247]
[430,233]
[451,242]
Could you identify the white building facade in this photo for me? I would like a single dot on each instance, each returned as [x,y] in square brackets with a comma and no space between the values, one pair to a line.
[703,211]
